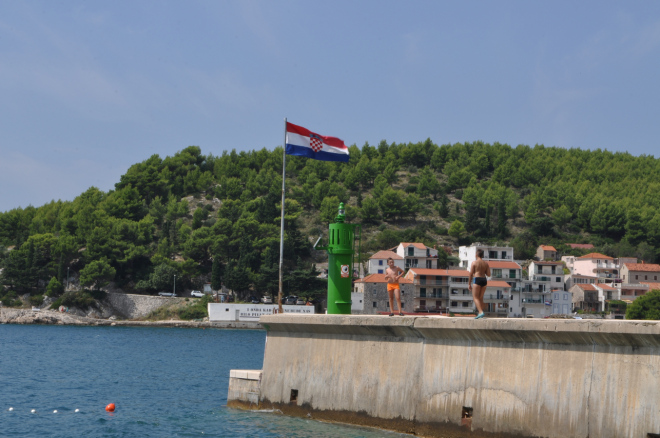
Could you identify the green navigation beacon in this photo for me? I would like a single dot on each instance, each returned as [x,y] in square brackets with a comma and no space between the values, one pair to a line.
[341,255]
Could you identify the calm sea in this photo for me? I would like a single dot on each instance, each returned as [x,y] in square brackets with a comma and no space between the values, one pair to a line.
[164,382]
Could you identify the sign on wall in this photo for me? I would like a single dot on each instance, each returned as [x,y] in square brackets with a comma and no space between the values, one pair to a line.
[250,312]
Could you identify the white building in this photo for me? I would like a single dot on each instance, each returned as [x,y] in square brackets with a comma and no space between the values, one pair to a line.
[417,255]
[378,261]
[547,276]
[468,254]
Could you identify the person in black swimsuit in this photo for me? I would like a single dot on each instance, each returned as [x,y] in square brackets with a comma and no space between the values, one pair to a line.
[479,271]
[480,281]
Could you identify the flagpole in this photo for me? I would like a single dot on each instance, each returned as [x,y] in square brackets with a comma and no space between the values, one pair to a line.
[279,293]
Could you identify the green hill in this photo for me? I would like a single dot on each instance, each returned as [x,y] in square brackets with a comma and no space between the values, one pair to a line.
[216,218]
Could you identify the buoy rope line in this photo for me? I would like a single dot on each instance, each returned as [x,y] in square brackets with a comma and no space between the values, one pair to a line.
[109,408]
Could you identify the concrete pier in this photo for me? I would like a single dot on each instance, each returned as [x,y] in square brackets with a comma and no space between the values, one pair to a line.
[441,377]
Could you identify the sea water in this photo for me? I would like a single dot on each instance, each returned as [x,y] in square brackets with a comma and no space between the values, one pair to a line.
[164,382]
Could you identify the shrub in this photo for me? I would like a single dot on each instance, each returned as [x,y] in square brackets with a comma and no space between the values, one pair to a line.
[36,300]
[192,312]
[81,299]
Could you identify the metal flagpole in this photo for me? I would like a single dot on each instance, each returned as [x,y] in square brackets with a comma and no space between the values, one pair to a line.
[279,293]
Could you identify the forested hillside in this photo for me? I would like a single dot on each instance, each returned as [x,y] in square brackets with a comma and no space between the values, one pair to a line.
[217,218]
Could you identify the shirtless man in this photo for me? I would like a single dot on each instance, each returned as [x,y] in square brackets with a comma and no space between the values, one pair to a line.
[479,270]
[392,275]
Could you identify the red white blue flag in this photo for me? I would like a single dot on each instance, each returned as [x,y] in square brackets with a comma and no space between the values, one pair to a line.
[305,143]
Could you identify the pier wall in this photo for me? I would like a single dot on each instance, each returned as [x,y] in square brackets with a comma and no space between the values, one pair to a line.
[460,377]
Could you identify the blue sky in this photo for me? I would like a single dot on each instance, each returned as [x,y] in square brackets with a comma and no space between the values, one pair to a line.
[89,88]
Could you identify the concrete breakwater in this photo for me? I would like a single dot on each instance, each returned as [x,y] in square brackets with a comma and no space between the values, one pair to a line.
[457,377]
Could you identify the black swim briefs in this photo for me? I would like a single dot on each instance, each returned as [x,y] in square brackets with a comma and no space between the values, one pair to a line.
[480,281]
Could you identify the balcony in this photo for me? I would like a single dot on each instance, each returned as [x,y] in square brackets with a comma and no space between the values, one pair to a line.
[496,297]
[430,282]
[460,297]
[541,278]
[461,309]
[432,295]
[428,309]
[535,301]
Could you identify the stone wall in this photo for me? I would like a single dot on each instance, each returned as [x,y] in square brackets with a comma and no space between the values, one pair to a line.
[131,306]
[434,376]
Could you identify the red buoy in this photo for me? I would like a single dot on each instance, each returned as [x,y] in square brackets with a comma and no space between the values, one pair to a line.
[110,407]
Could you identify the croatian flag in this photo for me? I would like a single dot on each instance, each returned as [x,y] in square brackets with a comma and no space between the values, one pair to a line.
[305,143]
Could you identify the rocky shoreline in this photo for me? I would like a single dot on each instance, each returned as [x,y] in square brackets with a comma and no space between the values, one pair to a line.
[54,317]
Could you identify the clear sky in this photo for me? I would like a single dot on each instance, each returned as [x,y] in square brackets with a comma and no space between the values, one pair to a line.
[88,88]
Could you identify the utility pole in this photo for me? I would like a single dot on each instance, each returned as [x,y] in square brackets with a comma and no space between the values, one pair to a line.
[174,291]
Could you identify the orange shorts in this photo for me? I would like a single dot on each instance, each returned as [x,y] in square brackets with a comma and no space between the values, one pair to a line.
[393,286]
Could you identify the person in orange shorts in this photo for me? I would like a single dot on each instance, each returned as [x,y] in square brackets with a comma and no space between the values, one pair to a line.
[392,275]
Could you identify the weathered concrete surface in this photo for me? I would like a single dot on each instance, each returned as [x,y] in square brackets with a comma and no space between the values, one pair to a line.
[550,378]
[244,388]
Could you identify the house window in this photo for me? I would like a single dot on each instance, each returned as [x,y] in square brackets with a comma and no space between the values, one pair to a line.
[454,304]
[411,251]
[422,279]
[422,292]
[380,263]
[512,273]
[636,277]
[466,304]
[380,271]
[558,279]
[504,254]
[422,303]
[492,254]
[375,304]
[646,277]
[429,264]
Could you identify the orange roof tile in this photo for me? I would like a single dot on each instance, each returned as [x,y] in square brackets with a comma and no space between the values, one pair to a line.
[548,263]
[548,248]
[503,265]
[498,283]
[643,267]
[586,286]
[651,284]
[415,244]
[384,254]
[605,286]
[441,272]
[595,255]
[380,278]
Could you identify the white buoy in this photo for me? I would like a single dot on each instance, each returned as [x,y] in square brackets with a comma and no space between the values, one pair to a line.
[77,410]
[55,411]
[33,411]
[11,409]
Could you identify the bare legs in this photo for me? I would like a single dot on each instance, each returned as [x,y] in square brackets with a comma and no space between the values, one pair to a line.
[478,296]
[397,294]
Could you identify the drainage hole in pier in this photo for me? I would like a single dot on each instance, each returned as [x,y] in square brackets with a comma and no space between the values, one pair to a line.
[466,413]
[653,435]
[294,396]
